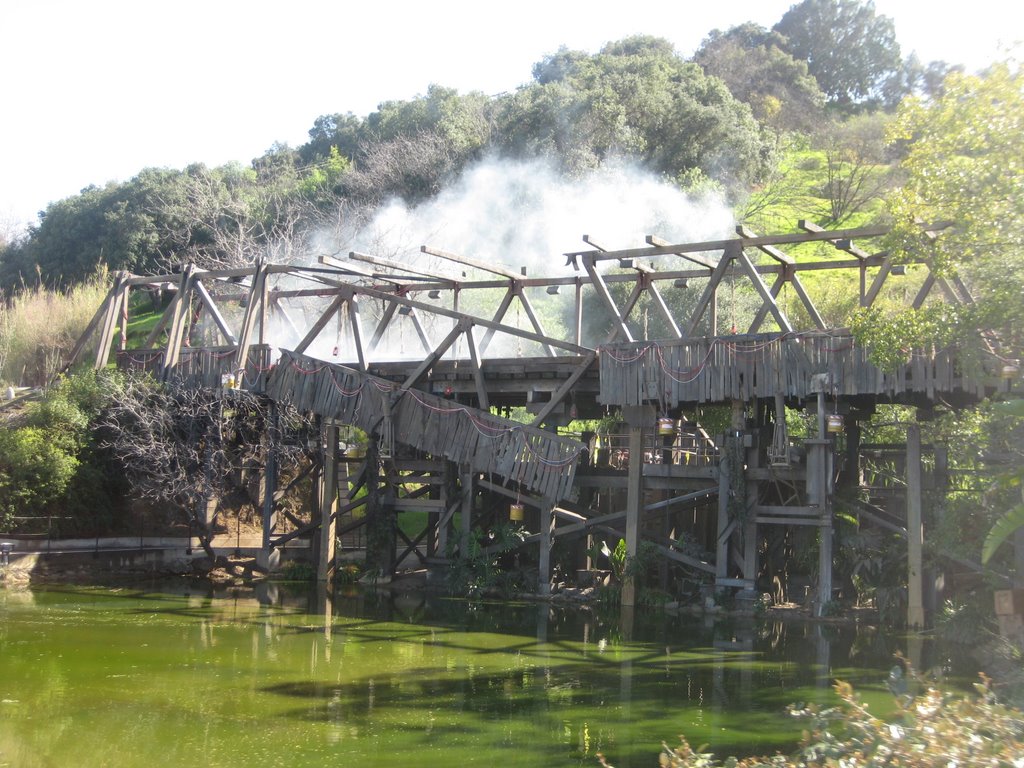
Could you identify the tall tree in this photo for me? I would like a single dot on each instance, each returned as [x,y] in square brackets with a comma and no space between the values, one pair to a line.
[758,71]
[635,98]
[963,163]
[849,49]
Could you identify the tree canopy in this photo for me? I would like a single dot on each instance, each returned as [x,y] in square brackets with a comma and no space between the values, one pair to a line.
[849,49]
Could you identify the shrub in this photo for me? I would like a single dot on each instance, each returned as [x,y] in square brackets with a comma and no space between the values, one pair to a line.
[930,729]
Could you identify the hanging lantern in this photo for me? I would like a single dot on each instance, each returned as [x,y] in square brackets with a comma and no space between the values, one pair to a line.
[1010,371]
[835,423]
[517,512]
[666,427]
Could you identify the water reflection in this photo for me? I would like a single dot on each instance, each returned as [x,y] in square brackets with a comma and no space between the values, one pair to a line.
[282,674]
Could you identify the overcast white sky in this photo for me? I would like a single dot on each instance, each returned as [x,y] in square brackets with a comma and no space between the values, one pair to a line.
[96,91]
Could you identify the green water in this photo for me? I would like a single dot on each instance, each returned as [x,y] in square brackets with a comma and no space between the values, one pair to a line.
[186,676]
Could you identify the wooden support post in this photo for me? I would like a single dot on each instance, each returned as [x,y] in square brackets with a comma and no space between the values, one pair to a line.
[730,486]
[380,528]
[579,312]
[547,527]
[328,503]
[915,529]
[750,526]
[468,481]
[639,418]
[819,494]
[270,557]
[851,462]
[825,548]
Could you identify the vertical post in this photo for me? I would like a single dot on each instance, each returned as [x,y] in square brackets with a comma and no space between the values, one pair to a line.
[579,312]
[328,503]
[731,487]
[270,555]
[915,529]
[638,417]
[823,481]
[466,507]
[750,529]
[547,521]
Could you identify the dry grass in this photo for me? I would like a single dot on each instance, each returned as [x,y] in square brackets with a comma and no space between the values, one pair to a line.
[39,327]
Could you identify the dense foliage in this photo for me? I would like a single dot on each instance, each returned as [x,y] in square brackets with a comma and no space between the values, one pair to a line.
[54,476]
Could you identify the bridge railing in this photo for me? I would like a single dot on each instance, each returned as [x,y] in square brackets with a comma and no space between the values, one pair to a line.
[206,367]
[752,366]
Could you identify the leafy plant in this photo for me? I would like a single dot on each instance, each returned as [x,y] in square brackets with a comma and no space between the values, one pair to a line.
[931,728]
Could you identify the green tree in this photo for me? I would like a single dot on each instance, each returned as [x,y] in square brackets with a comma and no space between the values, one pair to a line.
[964,163]
[849,49]
[752,62]
[635,98]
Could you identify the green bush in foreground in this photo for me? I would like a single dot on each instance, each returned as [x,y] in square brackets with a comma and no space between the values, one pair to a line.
[933,729]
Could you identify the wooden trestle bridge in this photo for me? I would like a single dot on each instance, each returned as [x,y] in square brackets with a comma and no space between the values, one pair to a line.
[716,505]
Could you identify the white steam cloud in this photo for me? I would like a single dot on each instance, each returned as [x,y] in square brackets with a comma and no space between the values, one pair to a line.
[513,214]
[524,213]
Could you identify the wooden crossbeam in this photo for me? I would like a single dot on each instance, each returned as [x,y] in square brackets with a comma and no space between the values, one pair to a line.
[763,291]
[399,267]
[211,307]
[437,353]
[732,249]
[321,322]
[357,331]
[604,294]
[483,266]
[696,259]
[719,245]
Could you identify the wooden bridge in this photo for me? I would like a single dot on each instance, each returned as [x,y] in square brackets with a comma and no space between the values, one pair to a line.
[424,361]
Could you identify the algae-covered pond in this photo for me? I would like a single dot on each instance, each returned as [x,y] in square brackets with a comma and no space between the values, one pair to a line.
[278,677]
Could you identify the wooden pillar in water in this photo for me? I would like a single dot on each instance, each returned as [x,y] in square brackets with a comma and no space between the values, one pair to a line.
[819,493]
[270,558]
[468,481]
[328,503]
[638,418]
[731,490]
[547,522]
[380,528]
[915,529]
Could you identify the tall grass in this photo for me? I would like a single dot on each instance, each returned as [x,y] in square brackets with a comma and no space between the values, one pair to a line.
[39,327]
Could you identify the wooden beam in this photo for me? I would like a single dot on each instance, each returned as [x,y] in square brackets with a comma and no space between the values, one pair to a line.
[478,374]
[499,315]
[398,266]
[878,282]
[730,253]
[382,325]
[253,311]
[565,389]
[534,320]
[494,269]
[357,331]
[662,307]
[718,245]
[436,355]
[321,323]
[601,289]
[421,332]
[218,319]
[662,243]
[763,291]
